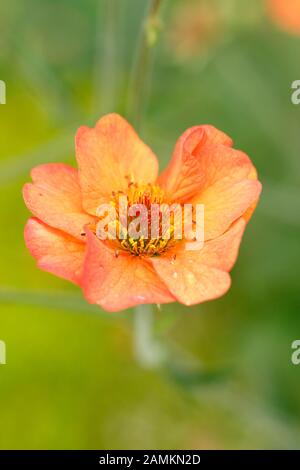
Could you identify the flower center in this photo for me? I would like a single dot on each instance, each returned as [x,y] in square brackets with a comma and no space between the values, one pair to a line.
[143,223]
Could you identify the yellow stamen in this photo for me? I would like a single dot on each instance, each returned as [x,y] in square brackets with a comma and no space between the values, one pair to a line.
[146,195]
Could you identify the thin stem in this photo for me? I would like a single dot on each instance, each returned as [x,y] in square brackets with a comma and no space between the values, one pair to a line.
[141,73]
[148,351]
[105,74]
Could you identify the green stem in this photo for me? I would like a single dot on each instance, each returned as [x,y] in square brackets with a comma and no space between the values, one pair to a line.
[105,75]
[141,74]
[148,351]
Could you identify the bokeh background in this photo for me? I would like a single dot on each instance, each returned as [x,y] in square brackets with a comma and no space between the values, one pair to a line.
[71,380]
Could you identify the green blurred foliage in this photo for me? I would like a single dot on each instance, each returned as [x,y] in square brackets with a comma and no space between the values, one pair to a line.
[71,380]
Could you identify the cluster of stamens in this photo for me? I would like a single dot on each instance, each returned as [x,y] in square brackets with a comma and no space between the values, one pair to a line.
[151,197]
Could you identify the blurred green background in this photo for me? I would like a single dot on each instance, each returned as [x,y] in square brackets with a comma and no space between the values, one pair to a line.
[71,380]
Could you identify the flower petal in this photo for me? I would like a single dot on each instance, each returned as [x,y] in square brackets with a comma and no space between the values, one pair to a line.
[117,283]
[198,276]
[55,251]
[206,170]
[107,156]
[182,177]
[226,202]
[54,197]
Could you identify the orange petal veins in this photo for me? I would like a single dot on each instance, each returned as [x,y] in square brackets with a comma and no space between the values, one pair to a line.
[54,197]
[55,252]
[107,156]
[197,276]
[117,283]
[205,169]
[226,202]
[183,176]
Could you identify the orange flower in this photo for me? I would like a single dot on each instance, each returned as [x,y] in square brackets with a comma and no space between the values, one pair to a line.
[117,274]
[286,13]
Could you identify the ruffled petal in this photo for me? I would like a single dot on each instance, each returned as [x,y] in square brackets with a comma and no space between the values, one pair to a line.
[205,170]
[184,176]
[226,202]
[54,197]
[110,155]
[197,276]
[55,251]
[119,282]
